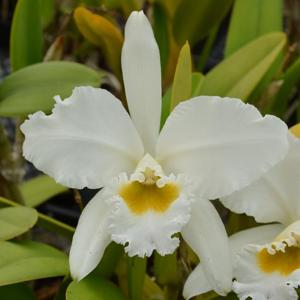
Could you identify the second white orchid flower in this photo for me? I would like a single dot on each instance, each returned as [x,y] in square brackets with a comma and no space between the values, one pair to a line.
[154,184]
[267,258]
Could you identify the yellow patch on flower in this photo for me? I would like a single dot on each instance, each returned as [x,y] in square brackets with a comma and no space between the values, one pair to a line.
[283,262]
[296,130]
[141,197]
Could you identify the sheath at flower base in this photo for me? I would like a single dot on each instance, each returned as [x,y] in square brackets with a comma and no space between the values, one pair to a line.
[267,258]
[155,184]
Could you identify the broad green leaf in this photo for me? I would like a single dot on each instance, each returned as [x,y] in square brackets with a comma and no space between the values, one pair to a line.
[296,130]
[197,81]
[47,9]
[14,221]
[290,78]
[28,260]
[19,291]
[26,37]
[93,287]
[45,221]
[251,19]
[239,74]
[102,33]
[193,20]
[182,84]
[160,28]
[33,88]
[39,189]
[110,259]
[136,277]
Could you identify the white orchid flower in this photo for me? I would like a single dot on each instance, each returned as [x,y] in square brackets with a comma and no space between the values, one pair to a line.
[259,274]
[269,268]
[249,279]
[153,183]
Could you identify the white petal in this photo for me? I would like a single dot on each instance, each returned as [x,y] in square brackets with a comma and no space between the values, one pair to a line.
[257,235]
[252,282]
[88,139]
[274,288]
[206,235]
[144,233]
[142,78]
[275,196]
[224,143]
[91,238]
[196,283]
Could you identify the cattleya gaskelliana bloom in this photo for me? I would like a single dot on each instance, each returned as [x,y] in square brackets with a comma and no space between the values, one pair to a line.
[267,258]
[155,184]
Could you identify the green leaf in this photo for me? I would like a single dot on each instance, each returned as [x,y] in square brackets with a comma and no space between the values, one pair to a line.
[110,259]
[238,75]
[39,189]
[47,10]
[33,88]
[26,38]
[45,221]
[194,20]
[197,81]
[136,277]
[56,226]
[27,260]
[19,291]
[273,70]
[251,19]
[160,28]
[93,287]
[290,78]
[14,221]
[182,84]
[103,33]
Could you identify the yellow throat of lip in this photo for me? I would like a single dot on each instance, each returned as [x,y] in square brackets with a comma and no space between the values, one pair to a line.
[145,192]
[141,198]
[284,261]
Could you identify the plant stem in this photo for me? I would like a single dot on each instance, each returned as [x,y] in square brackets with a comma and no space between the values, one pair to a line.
[136,277]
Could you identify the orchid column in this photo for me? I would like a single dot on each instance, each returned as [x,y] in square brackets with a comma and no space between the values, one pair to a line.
[155,184]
